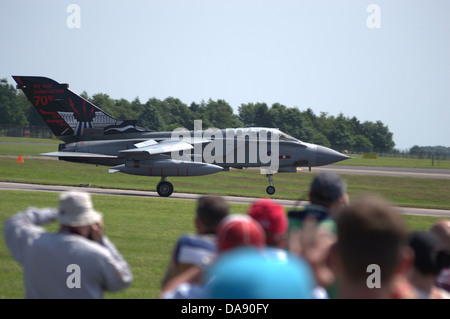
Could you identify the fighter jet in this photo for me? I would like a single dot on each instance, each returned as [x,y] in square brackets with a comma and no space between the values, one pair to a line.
[92,136]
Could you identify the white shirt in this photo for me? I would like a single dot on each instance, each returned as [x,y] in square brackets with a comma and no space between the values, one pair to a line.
[48,259]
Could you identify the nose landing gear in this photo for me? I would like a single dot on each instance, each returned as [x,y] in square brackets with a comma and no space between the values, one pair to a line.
[270,189]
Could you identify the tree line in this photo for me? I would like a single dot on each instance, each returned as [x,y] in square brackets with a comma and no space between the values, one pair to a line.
[338,132]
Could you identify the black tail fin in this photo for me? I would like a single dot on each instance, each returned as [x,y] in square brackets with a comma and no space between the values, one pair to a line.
[68,115]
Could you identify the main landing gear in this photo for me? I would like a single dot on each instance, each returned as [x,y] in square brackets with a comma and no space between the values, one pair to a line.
[270,189]
[164,188]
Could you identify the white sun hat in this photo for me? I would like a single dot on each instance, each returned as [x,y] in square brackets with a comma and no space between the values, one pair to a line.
[76,209]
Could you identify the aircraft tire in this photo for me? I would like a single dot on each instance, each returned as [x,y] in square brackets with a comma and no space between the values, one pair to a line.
[164,189]
[270,190]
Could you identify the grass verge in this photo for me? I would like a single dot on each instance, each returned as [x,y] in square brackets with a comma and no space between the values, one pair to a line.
[406,192]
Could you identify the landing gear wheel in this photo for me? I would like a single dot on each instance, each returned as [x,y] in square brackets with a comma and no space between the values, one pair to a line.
[270,190]
[164,189]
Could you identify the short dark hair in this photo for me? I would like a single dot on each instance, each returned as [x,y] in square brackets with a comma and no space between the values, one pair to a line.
[211,209]
[325,188]
[370,231]
[429,253]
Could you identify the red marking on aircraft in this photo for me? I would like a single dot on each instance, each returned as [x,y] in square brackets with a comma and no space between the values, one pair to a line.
[46,113]
[73,106]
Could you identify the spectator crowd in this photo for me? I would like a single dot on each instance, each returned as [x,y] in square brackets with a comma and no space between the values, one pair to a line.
[331,248]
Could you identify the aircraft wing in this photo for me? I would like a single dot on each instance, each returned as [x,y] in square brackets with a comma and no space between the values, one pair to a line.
[166,146]
[148,147]
[78,154]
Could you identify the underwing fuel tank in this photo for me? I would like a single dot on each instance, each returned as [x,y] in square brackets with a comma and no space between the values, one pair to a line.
[166,168]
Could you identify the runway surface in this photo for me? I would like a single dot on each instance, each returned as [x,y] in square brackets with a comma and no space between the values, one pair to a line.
[186,196]
[435,173]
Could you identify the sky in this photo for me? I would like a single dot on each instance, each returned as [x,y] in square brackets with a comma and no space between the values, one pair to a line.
[377,60]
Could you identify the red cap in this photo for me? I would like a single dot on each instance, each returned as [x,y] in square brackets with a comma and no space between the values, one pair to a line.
[271,217]
[239,230]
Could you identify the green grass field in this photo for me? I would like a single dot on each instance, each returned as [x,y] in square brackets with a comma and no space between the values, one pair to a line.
[145,229]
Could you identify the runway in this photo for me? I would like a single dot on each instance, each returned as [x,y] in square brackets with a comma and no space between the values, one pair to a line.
[187,196]
[435,173]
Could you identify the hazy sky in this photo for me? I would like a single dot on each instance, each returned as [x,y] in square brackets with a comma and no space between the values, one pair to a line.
[376,60]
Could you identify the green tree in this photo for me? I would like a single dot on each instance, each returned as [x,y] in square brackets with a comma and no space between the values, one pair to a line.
[355,126]
[325,124]
[137,107]
[200,112]
[307,130]
[415,150]
[362,144]
[86,96]
[104,102]
[177,114]
[320,139]
[379,135]
[32,115]
[150,117]
[311,116]
[277,114]
[296,123]
[123,110]
[10,113]
[254,115]
[220,114]
[341,136]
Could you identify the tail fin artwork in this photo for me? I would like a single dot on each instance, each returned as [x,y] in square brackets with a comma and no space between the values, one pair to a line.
[68,115]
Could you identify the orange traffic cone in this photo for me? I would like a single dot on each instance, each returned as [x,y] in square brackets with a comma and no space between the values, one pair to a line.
[19,159]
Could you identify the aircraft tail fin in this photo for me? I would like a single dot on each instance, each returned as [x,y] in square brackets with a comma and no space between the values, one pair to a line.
[67,114]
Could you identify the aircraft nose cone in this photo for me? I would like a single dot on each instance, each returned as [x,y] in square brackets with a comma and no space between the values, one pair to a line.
[325,156]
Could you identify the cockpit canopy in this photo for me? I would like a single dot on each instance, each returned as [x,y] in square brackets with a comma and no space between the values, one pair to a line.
[262,132]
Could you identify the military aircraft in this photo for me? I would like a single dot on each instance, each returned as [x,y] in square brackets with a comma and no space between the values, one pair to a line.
[92,136]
